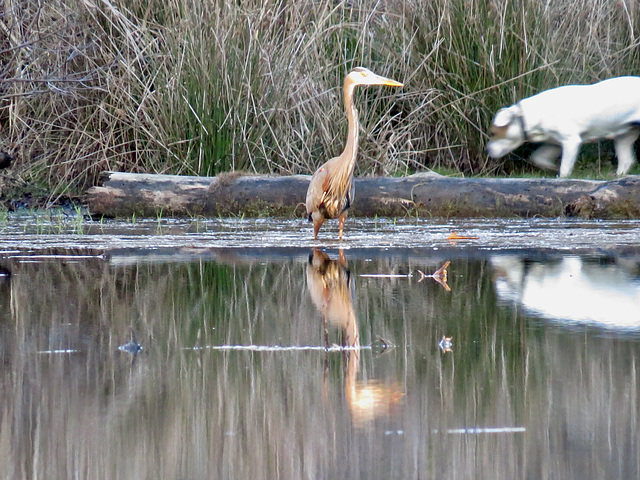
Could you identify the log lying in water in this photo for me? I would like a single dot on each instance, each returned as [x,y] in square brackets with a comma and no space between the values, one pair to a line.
[126,194]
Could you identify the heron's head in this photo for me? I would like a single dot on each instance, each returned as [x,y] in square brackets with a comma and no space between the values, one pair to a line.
[364,76]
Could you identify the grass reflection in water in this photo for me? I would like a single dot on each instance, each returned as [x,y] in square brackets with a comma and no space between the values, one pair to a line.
[181,409]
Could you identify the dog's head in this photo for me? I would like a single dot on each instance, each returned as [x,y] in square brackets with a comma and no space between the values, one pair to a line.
[507,131]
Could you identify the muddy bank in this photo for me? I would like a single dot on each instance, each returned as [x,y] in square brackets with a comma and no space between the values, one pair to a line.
[423,195]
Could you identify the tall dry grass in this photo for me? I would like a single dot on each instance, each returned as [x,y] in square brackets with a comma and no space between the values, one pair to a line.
[200,87]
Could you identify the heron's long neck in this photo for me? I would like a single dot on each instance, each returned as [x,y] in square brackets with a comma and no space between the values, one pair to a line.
[351,148]
[340,181]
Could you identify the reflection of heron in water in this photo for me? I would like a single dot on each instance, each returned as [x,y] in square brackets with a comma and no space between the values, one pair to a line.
[331,188]
[331,289]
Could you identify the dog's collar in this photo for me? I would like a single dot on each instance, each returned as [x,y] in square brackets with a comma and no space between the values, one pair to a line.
[522,125]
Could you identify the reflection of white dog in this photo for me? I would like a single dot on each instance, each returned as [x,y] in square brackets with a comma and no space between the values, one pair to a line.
[565,117]
[571,290]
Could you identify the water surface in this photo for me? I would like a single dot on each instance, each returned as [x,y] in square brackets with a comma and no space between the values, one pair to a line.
[267,355]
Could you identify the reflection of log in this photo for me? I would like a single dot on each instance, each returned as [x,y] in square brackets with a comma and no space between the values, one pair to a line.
[123,194]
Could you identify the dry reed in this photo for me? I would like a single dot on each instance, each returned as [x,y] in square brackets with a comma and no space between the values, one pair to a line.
[193,87]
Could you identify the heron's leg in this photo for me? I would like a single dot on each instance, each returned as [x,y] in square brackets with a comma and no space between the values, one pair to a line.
[326,331]
[341,220]
[341,258]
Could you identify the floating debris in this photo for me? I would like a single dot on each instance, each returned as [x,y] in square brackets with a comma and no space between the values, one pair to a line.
[446,345]
[279,348]
[488,430]
[386,275]
[132,347]
[454,236]
[51,352]
[380,346]
[439,276]
[385,343]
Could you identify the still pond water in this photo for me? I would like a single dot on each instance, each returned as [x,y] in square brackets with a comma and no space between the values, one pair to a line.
[235,348]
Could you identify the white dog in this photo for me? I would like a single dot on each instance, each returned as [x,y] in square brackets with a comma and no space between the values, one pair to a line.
[565,117]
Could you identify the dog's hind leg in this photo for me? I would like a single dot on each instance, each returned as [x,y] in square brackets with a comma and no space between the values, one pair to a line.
[570,148]
[624,151]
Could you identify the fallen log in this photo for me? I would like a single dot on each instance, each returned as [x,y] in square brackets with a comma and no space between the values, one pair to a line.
[424,194]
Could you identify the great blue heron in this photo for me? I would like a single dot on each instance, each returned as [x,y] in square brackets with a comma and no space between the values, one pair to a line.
[331,191]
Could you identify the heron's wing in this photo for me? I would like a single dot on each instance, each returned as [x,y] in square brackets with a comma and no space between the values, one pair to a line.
[317,189]
[351,193]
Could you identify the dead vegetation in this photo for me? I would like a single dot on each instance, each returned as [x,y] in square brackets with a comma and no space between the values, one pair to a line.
[193,87]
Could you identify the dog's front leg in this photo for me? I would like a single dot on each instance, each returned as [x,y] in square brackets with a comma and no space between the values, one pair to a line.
[570,148]
[624,150]
[546,156]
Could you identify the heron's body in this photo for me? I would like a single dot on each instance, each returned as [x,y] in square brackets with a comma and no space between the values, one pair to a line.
[331,189]
[329,196]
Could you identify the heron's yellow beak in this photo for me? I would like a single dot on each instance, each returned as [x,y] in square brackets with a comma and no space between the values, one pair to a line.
[392,83]
[379,80]
[364,76]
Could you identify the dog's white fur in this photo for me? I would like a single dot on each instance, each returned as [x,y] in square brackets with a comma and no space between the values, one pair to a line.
[565,117]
